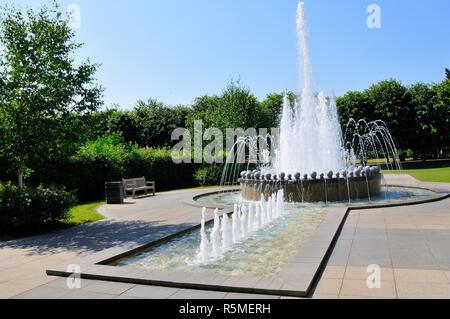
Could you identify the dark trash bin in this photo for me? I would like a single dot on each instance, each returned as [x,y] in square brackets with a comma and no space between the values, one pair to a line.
[114,192]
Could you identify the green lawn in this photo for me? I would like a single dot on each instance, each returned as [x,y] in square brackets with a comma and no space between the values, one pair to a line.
[86,213]
[81,214]
[427,175]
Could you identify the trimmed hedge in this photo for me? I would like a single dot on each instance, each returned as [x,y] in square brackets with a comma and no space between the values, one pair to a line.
[209,175]
[31,208]
[110,159]
[157,165]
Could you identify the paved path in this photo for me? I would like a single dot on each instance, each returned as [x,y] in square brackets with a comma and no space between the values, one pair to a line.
[410,244]
[23,262]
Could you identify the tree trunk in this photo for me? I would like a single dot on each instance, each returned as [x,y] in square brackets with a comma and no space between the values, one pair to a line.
[20,175]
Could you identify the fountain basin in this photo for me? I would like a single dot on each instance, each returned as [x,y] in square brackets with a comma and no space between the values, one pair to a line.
[314,190]
[263,253]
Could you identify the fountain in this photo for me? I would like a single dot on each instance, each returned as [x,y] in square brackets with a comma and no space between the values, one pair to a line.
[311,143]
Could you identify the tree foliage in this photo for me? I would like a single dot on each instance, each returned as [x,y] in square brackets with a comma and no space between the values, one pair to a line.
[423,98]
[41,88]
[391,103]
[442,113]
[155,122]
[148,124]
[417,116]
[237,107]
[272,106]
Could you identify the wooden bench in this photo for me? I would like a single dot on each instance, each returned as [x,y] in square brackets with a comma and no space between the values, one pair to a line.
[135,185]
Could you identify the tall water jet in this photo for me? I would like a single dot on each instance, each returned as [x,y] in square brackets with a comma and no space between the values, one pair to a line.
[310,134]
[302,35]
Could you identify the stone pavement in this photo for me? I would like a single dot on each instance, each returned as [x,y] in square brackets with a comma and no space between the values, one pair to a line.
[410,244]
[23,262]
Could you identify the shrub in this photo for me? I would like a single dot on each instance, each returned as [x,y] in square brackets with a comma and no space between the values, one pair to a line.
[109,158]
[209,175]
[32,208]
[157,165]
[95,163]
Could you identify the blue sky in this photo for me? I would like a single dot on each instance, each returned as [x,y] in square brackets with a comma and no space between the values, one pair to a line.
[176,50]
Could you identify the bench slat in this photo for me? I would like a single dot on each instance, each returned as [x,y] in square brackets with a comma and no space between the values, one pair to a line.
[138,184]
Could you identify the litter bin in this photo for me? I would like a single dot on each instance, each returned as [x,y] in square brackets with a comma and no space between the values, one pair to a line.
[114,192]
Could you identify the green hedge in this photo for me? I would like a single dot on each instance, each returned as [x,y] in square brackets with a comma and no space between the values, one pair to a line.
[157,165]
[31,208]
[209,175]
[110,159]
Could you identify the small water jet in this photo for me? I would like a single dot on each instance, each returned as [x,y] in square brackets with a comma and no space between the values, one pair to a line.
[245,221]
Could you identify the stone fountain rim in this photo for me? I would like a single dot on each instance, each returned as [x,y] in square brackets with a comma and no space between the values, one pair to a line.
[194,201]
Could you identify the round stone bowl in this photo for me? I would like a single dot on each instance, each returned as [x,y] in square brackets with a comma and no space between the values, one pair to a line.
[314,190]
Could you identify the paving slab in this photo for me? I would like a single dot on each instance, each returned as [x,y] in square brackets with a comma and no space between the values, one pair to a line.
[419,276]
[328,286]
[45,293]
[234,295]
[421,290]
[197,294]
[150,292]
[86,294]
[360,288]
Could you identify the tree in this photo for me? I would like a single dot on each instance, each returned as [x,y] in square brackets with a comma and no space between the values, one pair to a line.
[447,74]
[235,108]
[442,111]
[123,122]
[155,122]
[423,100]
[273,105]
[354,105]
[391,102]
[239,107]
[40,85]
[207,109]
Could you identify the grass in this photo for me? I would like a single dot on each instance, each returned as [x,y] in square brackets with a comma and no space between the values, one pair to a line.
[438,175]
[81,214]
[86,213]
[193,188]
